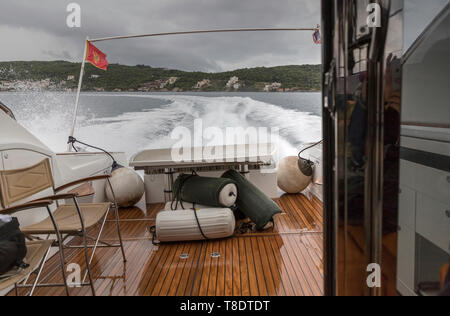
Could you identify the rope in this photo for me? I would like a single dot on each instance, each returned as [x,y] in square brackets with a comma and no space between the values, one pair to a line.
[74,148]
[302,151]
[177,193]
[198,224]
[177,199]
[73,140]
[243,228]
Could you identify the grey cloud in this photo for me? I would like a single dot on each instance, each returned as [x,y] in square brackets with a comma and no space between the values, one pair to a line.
[197,52]
[64,55]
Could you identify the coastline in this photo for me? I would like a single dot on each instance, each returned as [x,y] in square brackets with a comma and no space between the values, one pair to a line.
[163,92]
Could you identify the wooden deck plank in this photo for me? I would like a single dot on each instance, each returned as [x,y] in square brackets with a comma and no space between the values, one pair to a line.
[279,273]
[168,270]
[263,286]
[258,243]
[295,219]
[296,215]
[174,277]
[186,276]
[284,261]
[221,269]
[187,283]
[291,257]
[245,276]
[314,251]
[119,277]
[305,263]
[307,207]
[211,285]
[197,279]
[207,267]
[280,252]
[298,220]
[133,268]
[160,269]
[236,268]
[157,256]
[229,268]
[251,268]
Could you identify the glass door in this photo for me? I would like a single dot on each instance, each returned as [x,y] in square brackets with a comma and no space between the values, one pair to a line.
[362,129]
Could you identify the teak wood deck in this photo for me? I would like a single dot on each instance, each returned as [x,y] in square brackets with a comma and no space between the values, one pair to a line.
[284,261]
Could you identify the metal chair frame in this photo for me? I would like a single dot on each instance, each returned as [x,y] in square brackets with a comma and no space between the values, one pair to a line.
[60,239]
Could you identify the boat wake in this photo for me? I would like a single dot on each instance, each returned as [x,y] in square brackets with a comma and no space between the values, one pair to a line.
[49,116]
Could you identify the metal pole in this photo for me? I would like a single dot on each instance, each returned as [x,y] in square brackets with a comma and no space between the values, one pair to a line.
[204,32]
[77,100]
[168,189]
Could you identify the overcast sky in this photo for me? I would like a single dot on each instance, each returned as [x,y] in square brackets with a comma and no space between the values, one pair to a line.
[37,30]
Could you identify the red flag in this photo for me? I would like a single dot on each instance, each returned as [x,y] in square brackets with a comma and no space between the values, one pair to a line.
[96,57]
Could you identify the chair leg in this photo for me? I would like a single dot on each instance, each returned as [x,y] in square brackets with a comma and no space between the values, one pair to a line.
[88,266]
[61,250]
[62,259]
[96,243]
[16,290]
[41,267]
[86,253]
[116,212]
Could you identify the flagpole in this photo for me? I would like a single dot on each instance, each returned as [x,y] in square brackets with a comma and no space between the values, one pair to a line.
[77,100]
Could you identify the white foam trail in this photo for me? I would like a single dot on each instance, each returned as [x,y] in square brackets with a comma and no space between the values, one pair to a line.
[134,131]
[46,115]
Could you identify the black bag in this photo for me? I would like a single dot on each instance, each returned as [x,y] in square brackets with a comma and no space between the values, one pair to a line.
[12,246]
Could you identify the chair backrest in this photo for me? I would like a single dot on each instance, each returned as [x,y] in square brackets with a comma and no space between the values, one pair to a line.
[16,185]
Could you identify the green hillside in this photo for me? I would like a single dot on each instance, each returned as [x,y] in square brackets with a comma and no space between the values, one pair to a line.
[58,76]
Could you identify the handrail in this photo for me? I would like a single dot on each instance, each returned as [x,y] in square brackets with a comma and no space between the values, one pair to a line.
[203,32]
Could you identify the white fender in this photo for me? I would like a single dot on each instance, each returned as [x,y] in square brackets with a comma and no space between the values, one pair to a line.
[127,185]
[290,179]
[182,226]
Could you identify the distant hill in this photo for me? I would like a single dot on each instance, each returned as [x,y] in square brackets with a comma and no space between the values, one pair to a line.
[62,75]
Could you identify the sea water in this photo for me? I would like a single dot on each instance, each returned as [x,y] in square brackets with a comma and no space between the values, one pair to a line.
[131,122]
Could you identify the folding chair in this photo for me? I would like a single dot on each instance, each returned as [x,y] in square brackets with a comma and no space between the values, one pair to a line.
[67,220]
